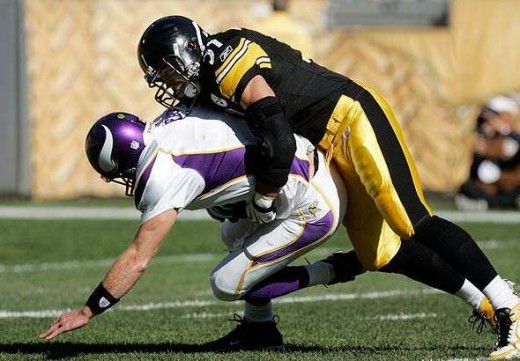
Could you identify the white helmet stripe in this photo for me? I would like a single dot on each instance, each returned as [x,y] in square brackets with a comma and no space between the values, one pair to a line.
[105,156]
[199,37]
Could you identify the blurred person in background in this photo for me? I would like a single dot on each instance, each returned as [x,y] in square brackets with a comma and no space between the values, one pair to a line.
[281,25]
[279,92]
[494,178]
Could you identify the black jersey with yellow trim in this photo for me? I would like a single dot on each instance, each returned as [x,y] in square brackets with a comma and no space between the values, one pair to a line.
[308,91]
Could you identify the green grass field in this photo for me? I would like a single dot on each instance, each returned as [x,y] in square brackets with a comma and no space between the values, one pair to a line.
[47,266]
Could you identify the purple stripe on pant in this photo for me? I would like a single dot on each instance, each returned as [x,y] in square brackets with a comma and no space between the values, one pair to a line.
[312,232]
[289,279]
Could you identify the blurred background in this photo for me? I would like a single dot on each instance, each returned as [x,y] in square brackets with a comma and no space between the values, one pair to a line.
[65,63]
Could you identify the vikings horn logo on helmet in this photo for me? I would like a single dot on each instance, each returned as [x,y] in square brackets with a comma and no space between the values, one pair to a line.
[105,156]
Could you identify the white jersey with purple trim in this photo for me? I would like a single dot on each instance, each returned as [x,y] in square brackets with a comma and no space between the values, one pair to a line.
[199,161]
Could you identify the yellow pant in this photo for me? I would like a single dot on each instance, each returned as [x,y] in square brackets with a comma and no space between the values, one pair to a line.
[385,197]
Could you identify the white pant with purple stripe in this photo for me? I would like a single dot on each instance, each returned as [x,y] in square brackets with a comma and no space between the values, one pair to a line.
[259,251]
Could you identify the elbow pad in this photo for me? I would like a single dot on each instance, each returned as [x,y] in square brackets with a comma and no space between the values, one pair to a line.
[275,139]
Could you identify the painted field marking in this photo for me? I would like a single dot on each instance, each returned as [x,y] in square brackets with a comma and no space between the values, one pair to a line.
[205,303]
[76,264]
[402,316]
[127,213]
[186,258]
[458,359]
[390,317]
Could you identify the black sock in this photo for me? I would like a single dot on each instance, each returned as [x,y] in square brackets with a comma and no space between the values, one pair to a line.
[457,247]
[421,264]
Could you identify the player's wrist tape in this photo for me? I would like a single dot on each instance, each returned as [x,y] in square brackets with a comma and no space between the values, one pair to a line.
[100,300]
[263,202]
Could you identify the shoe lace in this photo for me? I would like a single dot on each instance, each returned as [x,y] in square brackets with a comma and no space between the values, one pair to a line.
[503,328]
[237,318]
[478,321]
[242,320]
[240,328]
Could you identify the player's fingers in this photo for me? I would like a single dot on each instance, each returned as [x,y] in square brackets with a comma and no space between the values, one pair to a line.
[57,320]
[50,333]
[49,330]
[56,331]
[44,334]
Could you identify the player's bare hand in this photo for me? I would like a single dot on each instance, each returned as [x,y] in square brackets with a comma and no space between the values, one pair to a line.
[68,322]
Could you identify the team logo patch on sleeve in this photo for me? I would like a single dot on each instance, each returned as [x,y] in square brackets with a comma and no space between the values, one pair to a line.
[245,56]
[225,53]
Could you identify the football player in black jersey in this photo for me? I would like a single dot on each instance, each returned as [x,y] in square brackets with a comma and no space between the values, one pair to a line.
[278,92]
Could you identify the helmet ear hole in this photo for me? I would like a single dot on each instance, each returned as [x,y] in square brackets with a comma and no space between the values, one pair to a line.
[191,46]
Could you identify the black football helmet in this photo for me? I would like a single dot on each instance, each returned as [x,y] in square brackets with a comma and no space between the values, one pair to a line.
[114,145]
[170,54]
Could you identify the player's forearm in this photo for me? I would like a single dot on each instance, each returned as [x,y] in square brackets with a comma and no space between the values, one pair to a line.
[276,141]
[125,272]
[132,263]
[121,277]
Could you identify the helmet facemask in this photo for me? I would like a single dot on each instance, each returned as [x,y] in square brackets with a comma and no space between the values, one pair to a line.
[177,85]
[170,54]
[126,178]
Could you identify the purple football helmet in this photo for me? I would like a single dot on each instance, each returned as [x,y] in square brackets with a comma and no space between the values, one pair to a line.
[113,146]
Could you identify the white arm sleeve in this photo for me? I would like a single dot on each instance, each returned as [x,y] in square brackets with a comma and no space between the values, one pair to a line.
[169,186]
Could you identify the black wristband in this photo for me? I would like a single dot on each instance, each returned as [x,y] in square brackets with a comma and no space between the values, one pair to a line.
[100,300]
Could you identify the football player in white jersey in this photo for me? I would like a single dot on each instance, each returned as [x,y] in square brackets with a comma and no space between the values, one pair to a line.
[206,160]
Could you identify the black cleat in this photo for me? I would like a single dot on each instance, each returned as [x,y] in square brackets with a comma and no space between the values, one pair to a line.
[249,336]
[508,334]
[346,266]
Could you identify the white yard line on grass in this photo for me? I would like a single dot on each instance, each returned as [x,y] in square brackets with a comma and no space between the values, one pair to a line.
[390,317]
[459,359]
[186,258]
[205,303]
[205,315]
[402,316]
[76,264]
[22,212]
[116,213]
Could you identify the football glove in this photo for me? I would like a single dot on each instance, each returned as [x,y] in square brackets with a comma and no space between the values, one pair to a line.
[261,209]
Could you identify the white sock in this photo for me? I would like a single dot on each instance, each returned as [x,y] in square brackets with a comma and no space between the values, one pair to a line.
[320,273]
[258,313]
[500,294]
[471,294]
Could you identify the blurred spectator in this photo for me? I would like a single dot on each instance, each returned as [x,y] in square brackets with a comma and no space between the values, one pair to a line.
[494,180]
[280,24]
